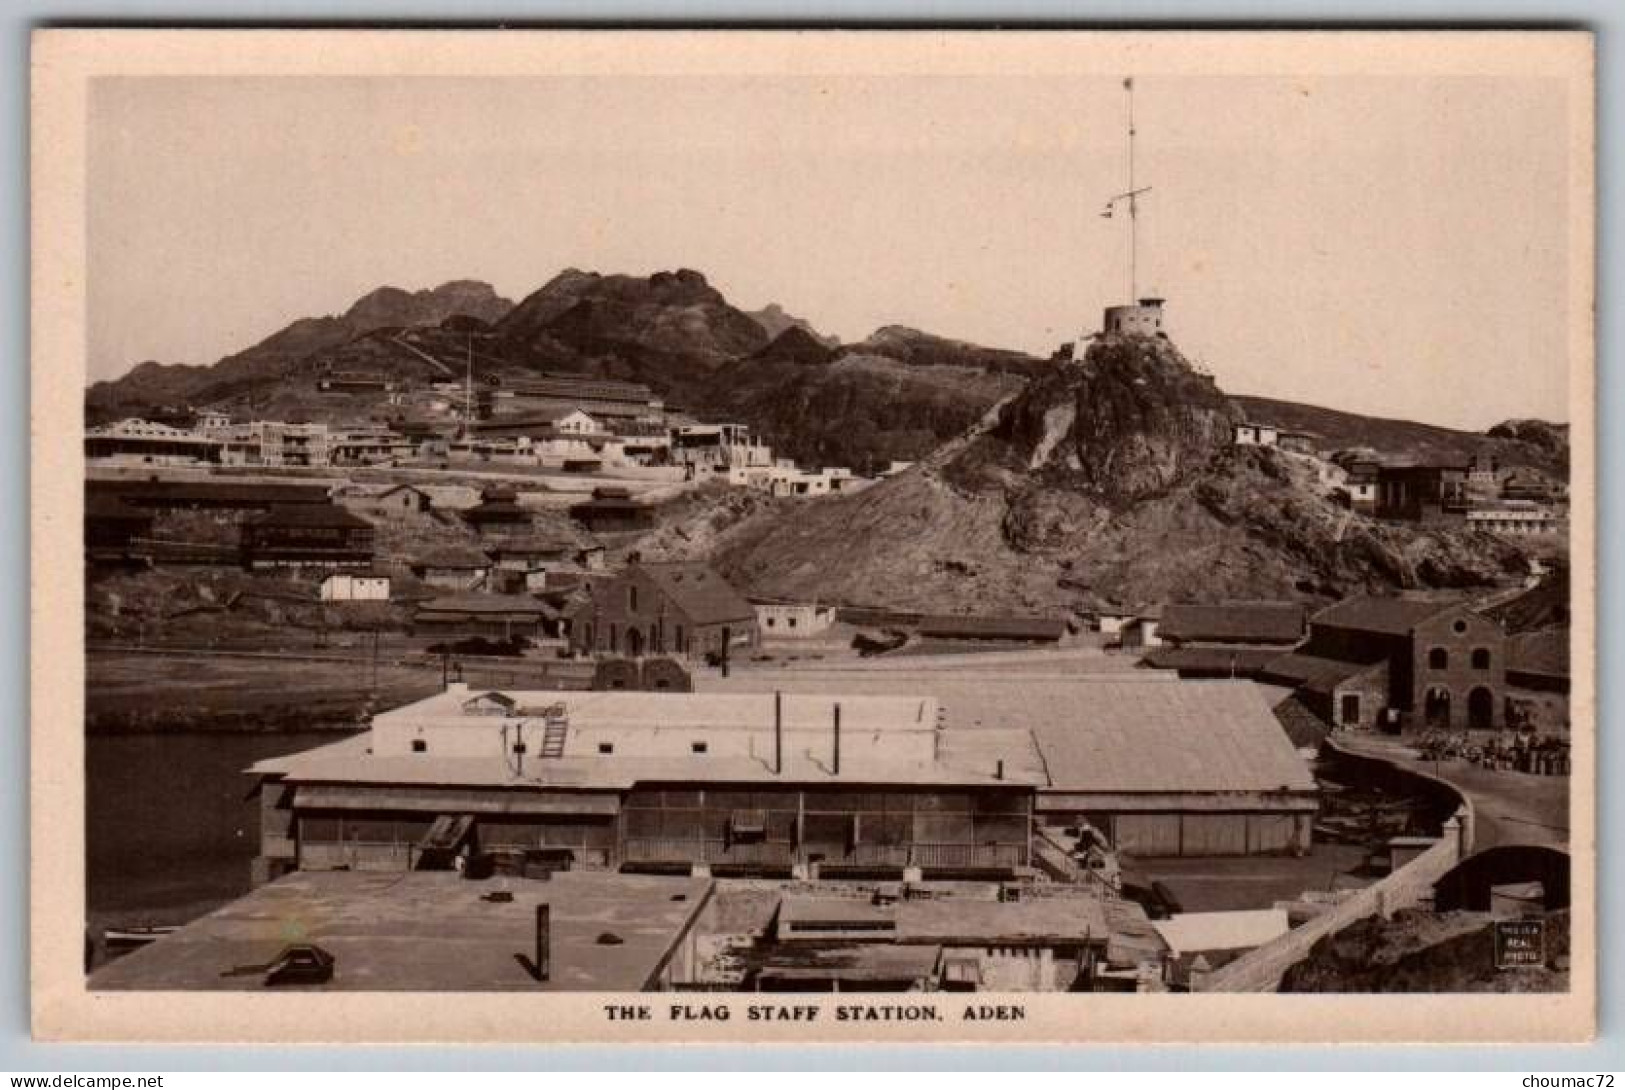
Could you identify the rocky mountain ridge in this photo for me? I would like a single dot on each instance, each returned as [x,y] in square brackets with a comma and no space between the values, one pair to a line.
[897,394]
[1111,480]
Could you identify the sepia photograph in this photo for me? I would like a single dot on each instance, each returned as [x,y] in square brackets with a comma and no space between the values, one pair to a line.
[1000,535]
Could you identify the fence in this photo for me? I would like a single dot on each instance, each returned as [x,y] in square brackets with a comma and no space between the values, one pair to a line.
[776,853]
[1261,969]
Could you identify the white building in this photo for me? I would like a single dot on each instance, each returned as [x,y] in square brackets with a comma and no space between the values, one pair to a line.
[718,445]
[368,445]
[1514,519]
[793,620]
[350,587]
[142,442]
[1257,435]
[273,443]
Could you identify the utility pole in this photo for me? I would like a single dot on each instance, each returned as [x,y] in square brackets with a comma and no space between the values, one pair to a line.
[468,387]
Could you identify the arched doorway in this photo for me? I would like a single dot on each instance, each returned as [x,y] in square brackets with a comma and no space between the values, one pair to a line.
[1436,707]
[634,641]
[1481,709]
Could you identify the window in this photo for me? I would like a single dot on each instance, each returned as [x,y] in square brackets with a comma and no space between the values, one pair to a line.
[1438,659]
[1459,627]
[792,622]
[699,747]
[1481,658]
[771,622]
[419,746]
[632,598]
[1350,711]
[606,747]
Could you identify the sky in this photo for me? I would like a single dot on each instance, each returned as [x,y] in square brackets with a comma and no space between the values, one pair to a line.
[1390,245]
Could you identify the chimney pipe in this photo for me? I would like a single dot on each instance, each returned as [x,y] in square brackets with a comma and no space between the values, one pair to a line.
[778,733]
[837,761]
[544,942]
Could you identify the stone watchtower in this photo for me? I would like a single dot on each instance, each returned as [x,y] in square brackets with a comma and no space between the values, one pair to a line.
[1143,319]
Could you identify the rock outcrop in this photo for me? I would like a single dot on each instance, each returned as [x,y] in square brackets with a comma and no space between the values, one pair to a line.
[1107,479]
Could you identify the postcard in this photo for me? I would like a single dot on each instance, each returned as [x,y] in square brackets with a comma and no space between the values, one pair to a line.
[813,537]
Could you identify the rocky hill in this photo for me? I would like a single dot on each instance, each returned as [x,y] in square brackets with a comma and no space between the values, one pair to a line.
[1110,479]
[1532,443]
[898,394]
[669,330]
[855,409]
[775,320]
[296,347]
[1553,439]
[1415,951]
[911,346]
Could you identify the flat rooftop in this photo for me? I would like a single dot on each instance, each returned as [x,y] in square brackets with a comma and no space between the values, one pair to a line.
[428,931]
[800,711]
[611,741]
[955,921]
[952,758]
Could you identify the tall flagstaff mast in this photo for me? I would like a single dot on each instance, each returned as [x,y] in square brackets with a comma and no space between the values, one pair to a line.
[1130,197]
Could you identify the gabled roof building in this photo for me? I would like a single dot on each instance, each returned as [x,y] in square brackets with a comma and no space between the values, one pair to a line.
[1431,662]
[682,608]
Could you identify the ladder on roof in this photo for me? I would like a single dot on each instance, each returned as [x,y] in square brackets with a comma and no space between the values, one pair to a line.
[553,737]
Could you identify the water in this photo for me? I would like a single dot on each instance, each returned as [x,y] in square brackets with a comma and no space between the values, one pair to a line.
[170,824]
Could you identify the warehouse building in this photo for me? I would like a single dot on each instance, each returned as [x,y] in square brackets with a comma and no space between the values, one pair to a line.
[307,535]
[1166,768]
[1225,639]
[741,783]
[489,616]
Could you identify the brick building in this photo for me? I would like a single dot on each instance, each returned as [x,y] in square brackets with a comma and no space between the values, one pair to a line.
[681,608]
[1438,664]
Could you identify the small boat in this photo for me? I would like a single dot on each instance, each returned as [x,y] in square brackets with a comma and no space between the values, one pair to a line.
[129,938]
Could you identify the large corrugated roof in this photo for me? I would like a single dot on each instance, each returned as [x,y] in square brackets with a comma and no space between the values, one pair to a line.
[1313,672]
[220,492]
[700,592]
[1233,622]
[313,515]
[949,625]
[485,603]
[1193,736]
[1545,652]
[453,557]
[1213,661]
[1390,616]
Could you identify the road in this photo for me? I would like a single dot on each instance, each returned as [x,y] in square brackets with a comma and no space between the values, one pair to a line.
[1510,807]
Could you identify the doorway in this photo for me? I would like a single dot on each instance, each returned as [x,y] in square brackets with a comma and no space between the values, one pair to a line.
[1436,707]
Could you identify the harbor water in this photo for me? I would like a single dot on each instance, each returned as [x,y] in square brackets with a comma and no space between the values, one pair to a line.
[170,822]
